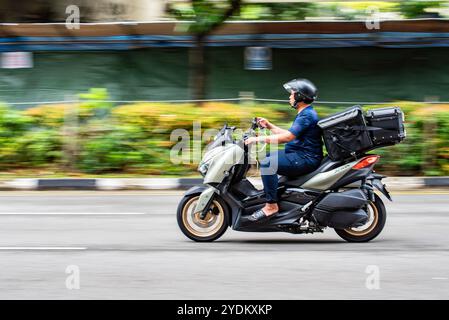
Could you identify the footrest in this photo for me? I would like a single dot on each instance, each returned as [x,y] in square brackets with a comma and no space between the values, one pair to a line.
[254,196]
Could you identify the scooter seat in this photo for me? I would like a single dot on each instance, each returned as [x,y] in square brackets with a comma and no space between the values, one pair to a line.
[326,165]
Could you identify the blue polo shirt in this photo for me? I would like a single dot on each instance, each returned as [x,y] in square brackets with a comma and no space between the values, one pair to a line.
[307,140]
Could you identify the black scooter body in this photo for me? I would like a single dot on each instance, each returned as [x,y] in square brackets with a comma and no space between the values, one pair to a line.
[338,194]
[328,208]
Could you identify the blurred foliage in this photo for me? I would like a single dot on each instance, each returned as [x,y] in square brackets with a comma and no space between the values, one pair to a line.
[94,102]
[39,147]
[418,9]
[348,10]
[205,14]
[384,6]
[136,138]
[25,11]
[208,11]
[277,11]
[13,125]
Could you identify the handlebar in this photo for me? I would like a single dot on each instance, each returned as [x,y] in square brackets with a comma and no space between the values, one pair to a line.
[253,127]
[254,124]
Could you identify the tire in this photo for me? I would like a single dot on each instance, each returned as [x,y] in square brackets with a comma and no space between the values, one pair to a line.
[371,232]
[194,228]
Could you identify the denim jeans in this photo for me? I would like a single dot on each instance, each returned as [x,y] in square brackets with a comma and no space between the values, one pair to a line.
[286,164]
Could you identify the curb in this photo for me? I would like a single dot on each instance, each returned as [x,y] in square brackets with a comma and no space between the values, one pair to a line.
[392,183]
[100,184]
[436,182]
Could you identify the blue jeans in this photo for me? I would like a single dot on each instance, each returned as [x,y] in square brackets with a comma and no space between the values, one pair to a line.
[286,164]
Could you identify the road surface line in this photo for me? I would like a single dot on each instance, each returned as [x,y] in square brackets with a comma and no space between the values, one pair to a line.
[72,213]
[42,248]
[439,278]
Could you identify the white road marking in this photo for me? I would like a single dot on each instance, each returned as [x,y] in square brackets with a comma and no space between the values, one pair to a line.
[72,213]
[439,278]
[41,248]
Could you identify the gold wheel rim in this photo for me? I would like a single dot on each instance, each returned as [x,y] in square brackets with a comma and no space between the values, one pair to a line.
[373,218]
[202,227]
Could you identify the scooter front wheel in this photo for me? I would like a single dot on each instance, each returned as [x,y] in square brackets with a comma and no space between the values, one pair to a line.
[212,227]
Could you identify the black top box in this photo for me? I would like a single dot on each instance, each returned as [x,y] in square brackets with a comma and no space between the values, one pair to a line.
[386,126]
[351,133]
[345,134]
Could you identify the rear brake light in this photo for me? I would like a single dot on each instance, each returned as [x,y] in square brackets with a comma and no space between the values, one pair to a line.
[366,162]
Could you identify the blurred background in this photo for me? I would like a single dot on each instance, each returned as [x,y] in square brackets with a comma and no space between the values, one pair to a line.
[101,98]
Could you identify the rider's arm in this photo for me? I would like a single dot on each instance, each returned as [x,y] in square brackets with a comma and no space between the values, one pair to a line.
[275,129]
[279,138]
[300,124]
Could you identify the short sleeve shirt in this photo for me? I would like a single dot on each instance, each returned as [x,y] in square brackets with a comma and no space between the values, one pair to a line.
[307,134]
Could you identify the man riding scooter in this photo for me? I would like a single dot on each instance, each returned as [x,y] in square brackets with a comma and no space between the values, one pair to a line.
[303,151]
[314,193]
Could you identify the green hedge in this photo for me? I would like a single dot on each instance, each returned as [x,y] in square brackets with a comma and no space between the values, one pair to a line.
[96,138]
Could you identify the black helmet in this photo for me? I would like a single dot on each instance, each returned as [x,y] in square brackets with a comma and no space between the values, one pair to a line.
[304,90]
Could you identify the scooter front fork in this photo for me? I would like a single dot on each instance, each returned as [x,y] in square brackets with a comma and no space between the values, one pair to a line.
[204,202]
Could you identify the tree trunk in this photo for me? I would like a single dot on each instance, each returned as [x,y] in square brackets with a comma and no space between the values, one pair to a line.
[198,69]
[70,136]
[430,152]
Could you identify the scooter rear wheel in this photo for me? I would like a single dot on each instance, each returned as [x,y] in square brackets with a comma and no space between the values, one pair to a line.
[212,227]
[374,226]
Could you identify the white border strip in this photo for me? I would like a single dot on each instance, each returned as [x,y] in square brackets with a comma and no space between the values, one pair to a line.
[42,248]
[20,183]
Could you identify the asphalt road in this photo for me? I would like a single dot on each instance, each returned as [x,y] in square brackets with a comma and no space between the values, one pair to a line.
[126,245]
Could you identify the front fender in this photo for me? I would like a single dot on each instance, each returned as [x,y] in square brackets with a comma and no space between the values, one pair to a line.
[196,189]
[205,199]
[202,188]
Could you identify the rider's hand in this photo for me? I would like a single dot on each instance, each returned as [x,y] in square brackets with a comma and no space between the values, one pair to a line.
[251,140]
[264,123]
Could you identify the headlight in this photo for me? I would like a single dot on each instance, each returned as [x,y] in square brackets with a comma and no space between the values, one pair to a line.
[202,168]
